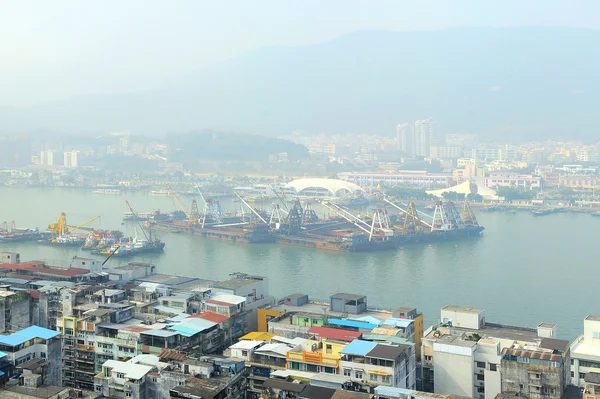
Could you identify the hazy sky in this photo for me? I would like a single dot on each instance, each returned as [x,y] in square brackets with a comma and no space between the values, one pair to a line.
[51,50]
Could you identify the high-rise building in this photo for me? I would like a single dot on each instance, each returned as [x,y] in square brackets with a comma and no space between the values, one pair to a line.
[424,132]
[47,158]
[70,159]
[406,138]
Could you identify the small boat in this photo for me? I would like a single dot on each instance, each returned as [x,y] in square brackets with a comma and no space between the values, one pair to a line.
[159,193]
[108,191]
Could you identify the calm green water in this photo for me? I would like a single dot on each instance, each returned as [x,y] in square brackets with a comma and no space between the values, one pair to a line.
[523,271]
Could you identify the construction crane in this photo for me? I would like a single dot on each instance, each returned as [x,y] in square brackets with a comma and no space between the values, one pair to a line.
[187,215]
[370,230]
[61,228]
[135,214]
[84,223]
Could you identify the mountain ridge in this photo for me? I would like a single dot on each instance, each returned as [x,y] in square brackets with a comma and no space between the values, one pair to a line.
[511,83]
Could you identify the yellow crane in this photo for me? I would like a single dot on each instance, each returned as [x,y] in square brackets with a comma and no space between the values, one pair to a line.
[85,223]
[188,215]
[61,227]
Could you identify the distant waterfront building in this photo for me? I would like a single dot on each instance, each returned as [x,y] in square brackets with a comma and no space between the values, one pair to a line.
[419,178]
[514,180]
[47,158]
[14,153]
[124,142]
[406,138]
[70,159]
[424,132]
[445,152]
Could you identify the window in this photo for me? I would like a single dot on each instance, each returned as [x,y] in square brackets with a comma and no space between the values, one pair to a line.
[480,389]
[572,374]
[581,375]
[481,365]
[386,379]
[121,375]
[521,386]
[479,377]
[428,357]
[43,355]
[244,353]
[358,374]
[348,372]
[154,379]
[572,362]
[128,394]
[328,348]
[372,377]
[493,367]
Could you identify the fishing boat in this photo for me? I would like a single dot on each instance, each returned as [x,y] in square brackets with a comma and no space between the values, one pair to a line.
[108,191]
[159,193]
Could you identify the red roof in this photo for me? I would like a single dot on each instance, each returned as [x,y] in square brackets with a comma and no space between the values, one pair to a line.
[210,316]
[335,333]
[40,267]
[214,302]
[35,294]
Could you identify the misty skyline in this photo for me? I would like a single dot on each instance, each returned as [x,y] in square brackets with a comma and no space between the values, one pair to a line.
[52,51]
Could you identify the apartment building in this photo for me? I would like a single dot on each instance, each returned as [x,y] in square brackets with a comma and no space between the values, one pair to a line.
[38,345]
[372,364]
[463,354]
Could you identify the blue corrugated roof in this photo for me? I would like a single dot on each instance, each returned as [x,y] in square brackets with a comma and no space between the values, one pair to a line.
[358,347]
[27,334]
[183,330]
[366,319]
[189,327]
[352,323]
[398,323]
[2,354]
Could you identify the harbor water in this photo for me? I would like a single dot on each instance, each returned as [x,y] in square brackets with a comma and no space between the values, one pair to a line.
[524,269]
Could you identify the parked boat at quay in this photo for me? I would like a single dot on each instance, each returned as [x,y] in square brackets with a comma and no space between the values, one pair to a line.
[12,233]
[108,191]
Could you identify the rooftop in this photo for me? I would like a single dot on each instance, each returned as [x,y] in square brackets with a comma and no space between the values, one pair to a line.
[41,268]
[348,297]
[231,299]
[258,336]
[462,309]
[322,308]
[532,354]
[335,333]
[455,340]
[132,371]
[554,344]
[246,344]
[277,383]
[546,325]
[43,392]
[593,318]
[358,347]
[27,334]
[234,283]
[317,392]
[210,316]
[387,352]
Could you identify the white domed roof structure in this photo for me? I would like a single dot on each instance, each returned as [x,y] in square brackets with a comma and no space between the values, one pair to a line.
[319,187]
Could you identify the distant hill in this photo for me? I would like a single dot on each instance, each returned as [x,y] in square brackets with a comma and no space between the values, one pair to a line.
[517,83]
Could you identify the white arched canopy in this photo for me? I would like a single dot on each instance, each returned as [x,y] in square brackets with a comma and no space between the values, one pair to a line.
[319,187]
